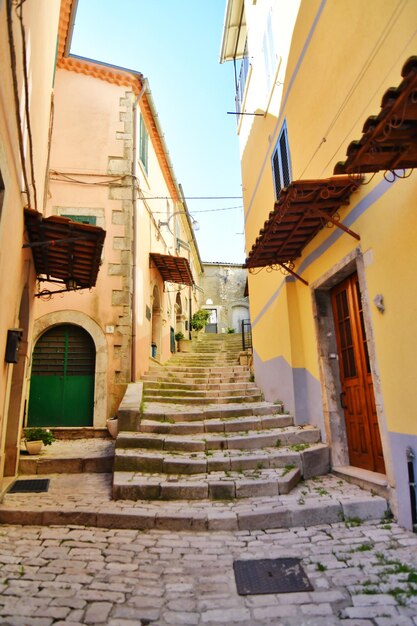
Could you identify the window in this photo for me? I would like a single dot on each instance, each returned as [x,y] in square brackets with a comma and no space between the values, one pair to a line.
[143,144]
[82,219]
[270,55]
[281,166]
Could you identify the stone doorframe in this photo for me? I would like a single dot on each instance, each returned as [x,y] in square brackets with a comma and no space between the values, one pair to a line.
[334,420]
[93,329]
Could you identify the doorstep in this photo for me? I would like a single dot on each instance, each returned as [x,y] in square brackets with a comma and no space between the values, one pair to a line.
[370,481]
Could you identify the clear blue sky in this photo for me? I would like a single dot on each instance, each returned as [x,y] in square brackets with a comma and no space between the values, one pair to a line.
[175,44]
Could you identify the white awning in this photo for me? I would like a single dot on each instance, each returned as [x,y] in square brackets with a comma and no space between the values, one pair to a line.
[234,31]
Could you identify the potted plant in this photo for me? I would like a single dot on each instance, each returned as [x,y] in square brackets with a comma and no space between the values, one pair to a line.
[113,426]
[178,337]
[36,437]
[200,320]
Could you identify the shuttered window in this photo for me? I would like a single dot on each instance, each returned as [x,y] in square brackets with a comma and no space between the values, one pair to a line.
[281,166]
[64,350]
[143,144]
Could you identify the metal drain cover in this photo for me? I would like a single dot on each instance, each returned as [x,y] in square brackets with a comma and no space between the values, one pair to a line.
[270,576]
[32,485]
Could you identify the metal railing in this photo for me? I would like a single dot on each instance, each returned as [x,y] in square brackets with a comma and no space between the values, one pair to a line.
[246,335]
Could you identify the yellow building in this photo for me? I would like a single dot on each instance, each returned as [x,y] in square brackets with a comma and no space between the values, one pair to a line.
[330,237]
[109,168]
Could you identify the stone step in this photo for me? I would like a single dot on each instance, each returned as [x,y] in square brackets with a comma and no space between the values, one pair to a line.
[140,486]
[200,400]
[220,386]
[192,394]
[174,413]
[235,369]
[299,438]
[189,378]
[313,460]
[215,425]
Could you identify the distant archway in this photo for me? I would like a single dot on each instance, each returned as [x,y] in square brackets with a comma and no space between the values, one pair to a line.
[156,323]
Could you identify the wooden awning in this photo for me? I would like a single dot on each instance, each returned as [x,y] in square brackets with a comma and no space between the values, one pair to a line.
[301,211]
[173,269]
[389,140]
[64,251]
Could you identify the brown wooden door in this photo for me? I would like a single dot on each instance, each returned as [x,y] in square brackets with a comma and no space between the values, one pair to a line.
[357,396]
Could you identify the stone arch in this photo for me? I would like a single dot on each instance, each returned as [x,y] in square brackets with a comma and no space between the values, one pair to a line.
[179,315]
[240,311]
[88,324]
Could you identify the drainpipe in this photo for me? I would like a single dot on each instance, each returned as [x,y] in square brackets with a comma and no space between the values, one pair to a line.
[412,485]
[134,207]
[135,225]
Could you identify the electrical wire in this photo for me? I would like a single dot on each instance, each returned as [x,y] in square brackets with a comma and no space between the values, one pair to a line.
[19,13]
[16,97]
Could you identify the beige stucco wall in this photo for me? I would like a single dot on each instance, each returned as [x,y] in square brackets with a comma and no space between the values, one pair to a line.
[40,18]
[94,153]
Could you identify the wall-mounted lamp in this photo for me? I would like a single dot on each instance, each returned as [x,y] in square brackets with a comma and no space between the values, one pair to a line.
[71,283]
[195,225]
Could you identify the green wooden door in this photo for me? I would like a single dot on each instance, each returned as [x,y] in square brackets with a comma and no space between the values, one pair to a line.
[62,381]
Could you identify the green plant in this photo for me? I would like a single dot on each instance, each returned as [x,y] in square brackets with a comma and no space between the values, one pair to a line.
[39,434]
[200,319]
[320,567]
[287,468]
[230,331]
[179,336]
[299,447]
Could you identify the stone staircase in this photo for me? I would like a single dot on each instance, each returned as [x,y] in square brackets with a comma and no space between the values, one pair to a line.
[205,433]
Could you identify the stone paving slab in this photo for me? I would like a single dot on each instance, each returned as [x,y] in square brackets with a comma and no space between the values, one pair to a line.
[76,575]
[86,499]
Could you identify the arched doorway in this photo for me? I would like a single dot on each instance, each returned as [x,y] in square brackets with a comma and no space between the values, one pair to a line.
[62,379]
[240,312]
[156,323]
[179,315]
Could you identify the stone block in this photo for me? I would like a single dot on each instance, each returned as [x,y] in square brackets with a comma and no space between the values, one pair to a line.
[98,465]
[253,461]
[276,421]
[184,491]
[214,426]
[63,518]
[222,490]
[366,508]
[218,464]
[287,482]
[120,193]
[315,513]
[119,297]
[59,466]
[24,518]
[184,466]
[180,444]
[173,521]
[219,520]
[254,488]
[264,519]
[129,518]
[316,461]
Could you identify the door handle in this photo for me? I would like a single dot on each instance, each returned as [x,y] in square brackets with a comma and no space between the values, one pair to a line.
[342,400]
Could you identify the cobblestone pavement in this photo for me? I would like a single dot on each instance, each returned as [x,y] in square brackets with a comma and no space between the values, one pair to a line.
[362,575]
[86,499]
